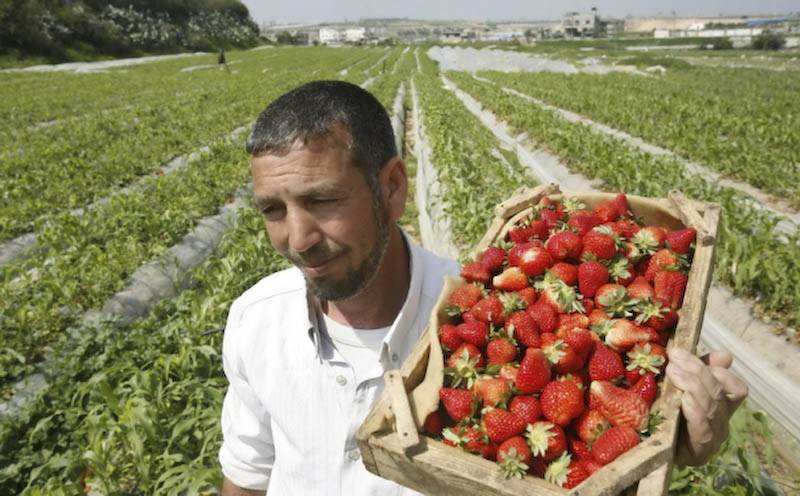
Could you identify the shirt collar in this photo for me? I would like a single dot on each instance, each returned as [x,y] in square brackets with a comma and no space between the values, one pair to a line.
[393,343]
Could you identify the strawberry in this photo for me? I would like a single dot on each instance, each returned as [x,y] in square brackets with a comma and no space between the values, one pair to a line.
[567,321]
[680,240]
[626,228]
[576,471]
[550,213]
[661,260]
[577,448]
[449,337]
[560,355]
[631,251]
[529,228]
[669,288]
[647,357]
[640,289]
[508,372]
[492,259]
[521,326]
[599,243]
[575,378]
[561,297]
[605,365]
[625,334]
[544,315]
[489,309]
[612,298]
[463,298]
[611,210]
[527,407]
[613,443]
[622,271]
[590,424]
[534,372]
[476,333]
[582,221]
[476,272]
[579,339]
[653,314]
[591,275]
[619,406]
[561,402]
[491,391]
[546,440]
[500,351]
[646,388]
[566,272]
[459,403]
[527,296]
[433,424]
[511,279]
[649,239]
[564,245]
[501,424]
[470,439]
[514,457]
[533,260]
[463,364]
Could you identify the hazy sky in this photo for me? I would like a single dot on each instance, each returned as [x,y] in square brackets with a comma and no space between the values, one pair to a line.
[338,10]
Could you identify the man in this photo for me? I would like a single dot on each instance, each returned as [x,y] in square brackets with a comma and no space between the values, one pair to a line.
[305,348]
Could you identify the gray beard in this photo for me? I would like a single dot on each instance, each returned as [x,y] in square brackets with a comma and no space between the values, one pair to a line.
[358,280]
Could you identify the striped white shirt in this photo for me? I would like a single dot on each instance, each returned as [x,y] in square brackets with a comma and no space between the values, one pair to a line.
[293,406]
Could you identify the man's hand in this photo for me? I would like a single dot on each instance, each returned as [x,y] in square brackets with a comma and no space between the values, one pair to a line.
[711,393]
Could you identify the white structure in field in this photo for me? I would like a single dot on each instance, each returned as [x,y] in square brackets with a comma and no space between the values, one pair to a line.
[354,35]
[328,35]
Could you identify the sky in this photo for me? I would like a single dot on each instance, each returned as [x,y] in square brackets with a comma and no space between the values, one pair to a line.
[339,10]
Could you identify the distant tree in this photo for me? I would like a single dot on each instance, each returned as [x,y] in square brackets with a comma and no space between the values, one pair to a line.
[286,38]
[769,41]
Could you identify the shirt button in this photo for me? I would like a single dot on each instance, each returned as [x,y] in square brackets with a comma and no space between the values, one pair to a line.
[394,357]
[341,380]
[354,455]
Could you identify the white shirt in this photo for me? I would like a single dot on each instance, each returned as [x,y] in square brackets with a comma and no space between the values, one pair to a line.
[293,406]
[361,348]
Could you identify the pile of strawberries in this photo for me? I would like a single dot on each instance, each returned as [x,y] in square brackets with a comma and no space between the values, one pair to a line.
[556,340]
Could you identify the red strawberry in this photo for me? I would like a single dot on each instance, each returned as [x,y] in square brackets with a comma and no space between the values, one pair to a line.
[625,334]
[649,239]
[500,351]
[527,407]
[680,240]
[640,289]
[576,447]
[646,388]
[551,213]
[575,378]
[514,457]
[599,244]
[546,440]
[626,228]
[463,364]
[534,372]
[492,258]
[459,403]
[449,337]
[653,314]
[491,391]
[560,355]
[545,316]
[470,439]
[508,372]
[476,272]
[613,443]
[579,339]
[530,228]
[490,309]
[669,288]
[605,365]
[501,424]
[644,358]
[463,298]
[590,425]
[532,259]
[619,406]
[566,272]
[521,326]
[561,402]
[583,221]
[511,279]
[591,275]
[563,298]
[476,333]
[433,424]
[611,210]
[577,472]
[622,271]
[661,260]
[527,295]
[613,298]
[564,245]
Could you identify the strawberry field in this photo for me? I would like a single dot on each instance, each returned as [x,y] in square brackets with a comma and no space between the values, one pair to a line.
[133,408]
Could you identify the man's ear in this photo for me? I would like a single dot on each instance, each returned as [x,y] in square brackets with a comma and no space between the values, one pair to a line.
[394,183]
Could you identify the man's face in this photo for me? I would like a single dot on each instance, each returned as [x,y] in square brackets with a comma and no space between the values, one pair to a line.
[321,215]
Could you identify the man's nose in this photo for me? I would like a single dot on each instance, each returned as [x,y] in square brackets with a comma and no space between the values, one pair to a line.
[303,229]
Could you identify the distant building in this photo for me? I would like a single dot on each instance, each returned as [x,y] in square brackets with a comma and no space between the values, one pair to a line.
[577,25]
[354,35]
[451,36]
[328,36]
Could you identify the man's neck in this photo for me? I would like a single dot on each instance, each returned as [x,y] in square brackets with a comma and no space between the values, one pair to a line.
[378,305]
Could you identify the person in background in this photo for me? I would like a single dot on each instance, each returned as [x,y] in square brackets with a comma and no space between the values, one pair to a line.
[305,349]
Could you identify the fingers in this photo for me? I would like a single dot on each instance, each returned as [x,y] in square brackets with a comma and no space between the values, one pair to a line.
[691,375]
[721,359]
[735,389]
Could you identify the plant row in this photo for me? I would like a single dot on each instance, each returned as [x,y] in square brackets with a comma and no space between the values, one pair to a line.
[742,123]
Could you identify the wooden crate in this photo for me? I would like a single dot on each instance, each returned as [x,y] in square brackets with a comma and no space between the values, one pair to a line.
[389,438]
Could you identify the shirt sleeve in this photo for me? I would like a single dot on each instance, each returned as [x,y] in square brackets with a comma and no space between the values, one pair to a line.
[247,453]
